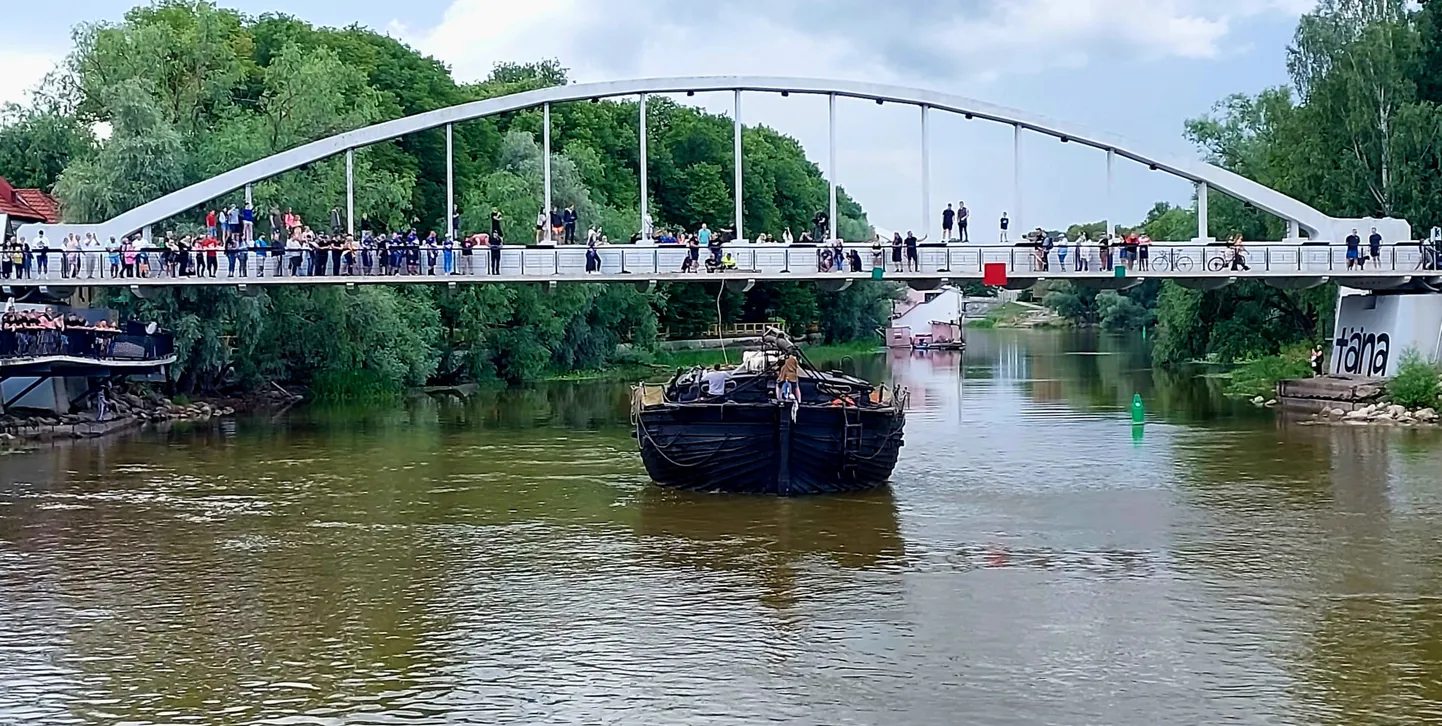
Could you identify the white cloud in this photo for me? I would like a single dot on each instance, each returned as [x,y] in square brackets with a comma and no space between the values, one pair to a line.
[24,69]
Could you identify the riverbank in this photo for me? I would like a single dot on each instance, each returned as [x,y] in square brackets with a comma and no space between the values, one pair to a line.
[1018,314]
[664,363]
[132,407]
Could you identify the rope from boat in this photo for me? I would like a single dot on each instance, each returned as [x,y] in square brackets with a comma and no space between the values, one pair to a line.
[661,449]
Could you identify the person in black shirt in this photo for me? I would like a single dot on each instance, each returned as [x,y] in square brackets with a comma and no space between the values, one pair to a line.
[1005,223]
[1354,252]
[568,220]
[494,244]
[912,261]
[948,219]
[1374,245]
[495,223]
[963,218]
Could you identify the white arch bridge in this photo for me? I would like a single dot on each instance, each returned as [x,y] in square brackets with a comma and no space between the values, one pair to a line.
[1301,219]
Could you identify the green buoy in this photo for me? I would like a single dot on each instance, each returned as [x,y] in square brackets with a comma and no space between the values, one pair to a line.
[1139,410]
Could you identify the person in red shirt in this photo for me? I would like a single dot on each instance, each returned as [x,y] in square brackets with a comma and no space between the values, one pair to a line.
[210,222]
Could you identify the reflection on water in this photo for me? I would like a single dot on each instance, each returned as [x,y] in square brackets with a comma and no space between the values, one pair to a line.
[502,559]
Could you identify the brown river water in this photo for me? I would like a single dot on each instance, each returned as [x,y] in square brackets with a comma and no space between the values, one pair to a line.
[503,560]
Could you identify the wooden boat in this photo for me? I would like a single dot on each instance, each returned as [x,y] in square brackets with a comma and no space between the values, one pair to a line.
[843,435]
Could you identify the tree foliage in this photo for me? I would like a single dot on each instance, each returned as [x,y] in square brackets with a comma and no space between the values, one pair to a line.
[190,90]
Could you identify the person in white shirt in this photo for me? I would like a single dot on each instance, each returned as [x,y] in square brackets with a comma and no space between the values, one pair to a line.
[715,381]
[42,254]
[92,251]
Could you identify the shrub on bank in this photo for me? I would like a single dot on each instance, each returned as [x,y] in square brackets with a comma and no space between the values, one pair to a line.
[1260,377]
[1415,385]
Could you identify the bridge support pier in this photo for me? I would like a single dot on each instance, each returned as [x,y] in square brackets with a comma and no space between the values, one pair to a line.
[1371,332]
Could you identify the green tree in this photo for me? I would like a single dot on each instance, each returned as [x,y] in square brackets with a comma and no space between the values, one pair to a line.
[36,145]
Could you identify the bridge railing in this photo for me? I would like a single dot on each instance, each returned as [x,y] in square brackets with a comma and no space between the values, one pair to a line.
[961,260]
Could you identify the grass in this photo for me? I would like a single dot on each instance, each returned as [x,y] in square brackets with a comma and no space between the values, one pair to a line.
[1008,315]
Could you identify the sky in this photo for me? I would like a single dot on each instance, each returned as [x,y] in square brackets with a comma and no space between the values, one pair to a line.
[1131,68]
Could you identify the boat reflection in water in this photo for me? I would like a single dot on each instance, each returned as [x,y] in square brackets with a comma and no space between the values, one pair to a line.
[771,538]
[726,431]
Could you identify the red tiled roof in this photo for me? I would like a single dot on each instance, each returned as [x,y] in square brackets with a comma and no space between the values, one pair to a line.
[42,203]
[28,205]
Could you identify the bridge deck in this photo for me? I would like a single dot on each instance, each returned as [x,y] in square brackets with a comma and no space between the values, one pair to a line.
[640,263]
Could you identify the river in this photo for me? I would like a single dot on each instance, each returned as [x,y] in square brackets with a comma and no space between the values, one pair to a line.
[504,560]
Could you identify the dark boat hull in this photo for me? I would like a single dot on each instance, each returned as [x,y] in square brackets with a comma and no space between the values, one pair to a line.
[758,449]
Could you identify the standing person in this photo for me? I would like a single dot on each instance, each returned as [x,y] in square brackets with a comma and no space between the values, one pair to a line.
[1005,224]
[247,224]
[448,256]
[294,250]
[467,266]
[568,221]
[693,254]
[277,253]
[1374,246]
[593,257]
[948,220]
[92,251]
[72,255]
[291,223]
[242,253]
[230,258]
[541,220]
[455,222]
[232,222]
[1144,252]
[897,246]
[337,254]
[1104,251]
[114,250]
[558,226]
[212,255]
[1354,249]
[277,225]
[335,221]
[1078,252]
[1062,248]
[211,221]
[878,256]
[788,380]
[913,260]
[495,223]
[1315,360]
[42,254]
[494,244]
[711,242]
[260,247]
[127,257]
[963,222]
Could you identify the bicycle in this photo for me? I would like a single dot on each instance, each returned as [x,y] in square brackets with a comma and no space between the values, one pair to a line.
[1229,260]
[1172,261]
